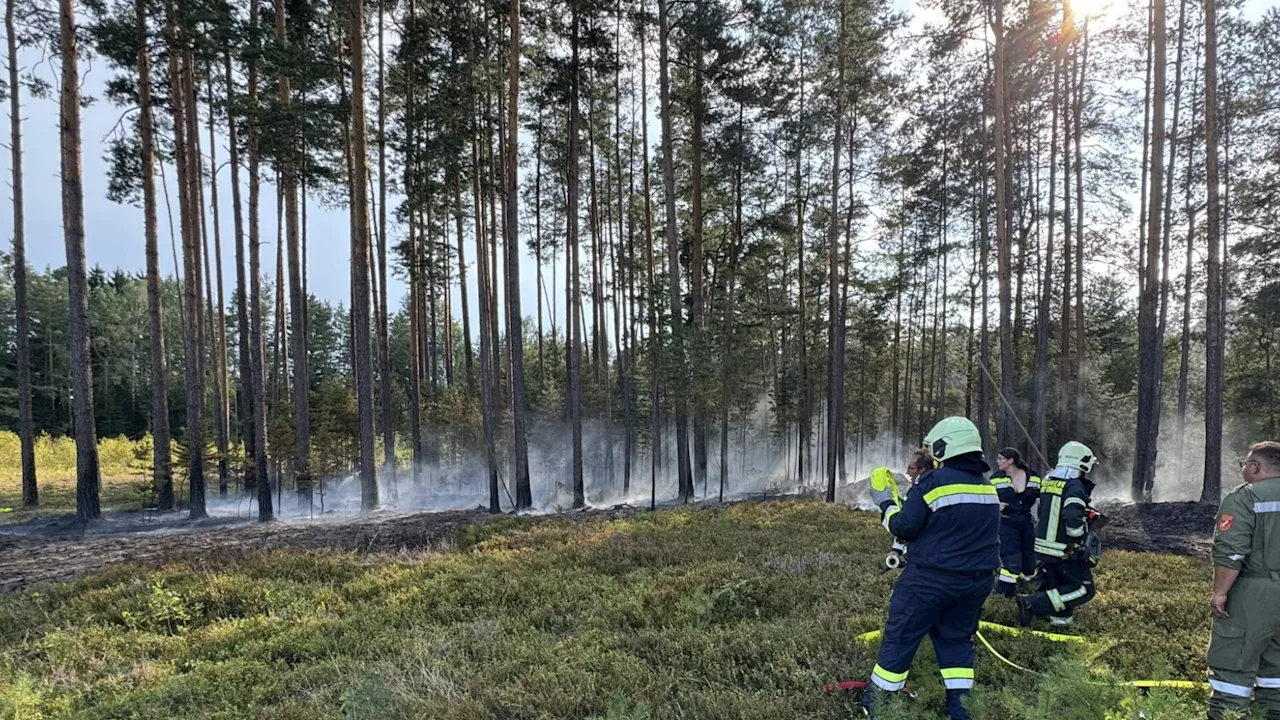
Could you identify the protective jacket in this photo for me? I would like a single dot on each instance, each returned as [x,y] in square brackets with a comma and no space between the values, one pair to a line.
[950,518]
[1248,533]
[1244,650]
[1064,511]
[1016,503]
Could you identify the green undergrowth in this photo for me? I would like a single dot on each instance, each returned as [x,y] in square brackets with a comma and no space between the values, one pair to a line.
[735,612]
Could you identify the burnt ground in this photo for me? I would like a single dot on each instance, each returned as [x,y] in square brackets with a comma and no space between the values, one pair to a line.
[61,548]
[1182,528]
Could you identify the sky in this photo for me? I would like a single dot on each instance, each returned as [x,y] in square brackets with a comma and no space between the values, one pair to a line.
[114,232]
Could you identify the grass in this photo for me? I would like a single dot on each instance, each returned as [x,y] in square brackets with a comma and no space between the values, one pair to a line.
[737,612]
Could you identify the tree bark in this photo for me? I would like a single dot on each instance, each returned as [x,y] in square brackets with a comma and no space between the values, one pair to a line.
[572,309]
[26,426]
[655,337]
[1214,351]
[697,111]
[257,360]
[297,294]
[1079,286]
[88,475]
[162,471]
[360,261]
[218,322]
[1039,429]
[835,347]
[1004,430]
[384,346]
[246,404]
[677,374]
[515,320]
[189,213]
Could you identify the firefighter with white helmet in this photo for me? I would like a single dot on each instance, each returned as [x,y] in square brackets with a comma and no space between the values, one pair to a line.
[1062,529]
[951,521]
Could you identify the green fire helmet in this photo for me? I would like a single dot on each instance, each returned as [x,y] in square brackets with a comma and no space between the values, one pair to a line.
[1077,455]
[953,436]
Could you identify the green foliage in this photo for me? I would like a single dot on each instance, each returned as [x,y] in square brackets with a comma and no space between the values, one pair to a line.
[738,612]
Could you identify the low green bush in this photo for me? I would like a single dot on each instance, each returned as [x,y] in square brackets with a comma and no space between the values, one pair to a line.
[740,612]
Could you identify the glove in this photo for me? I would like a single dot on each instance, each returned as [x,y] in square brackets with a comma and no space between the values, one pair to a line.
[884,489]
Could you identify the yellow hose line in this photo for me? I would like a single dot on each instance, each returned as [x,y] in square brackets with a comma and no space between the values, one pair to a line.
[1002,658]
[1184,684]
[1181,684]
[1018,631]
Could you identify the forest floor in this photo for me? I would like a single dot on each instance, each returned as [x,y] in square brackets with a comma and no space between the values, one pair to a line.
[736,611]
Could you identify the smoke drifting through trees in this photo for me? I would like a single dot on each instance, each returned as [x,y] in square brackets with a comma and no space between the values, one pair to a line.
[807,243]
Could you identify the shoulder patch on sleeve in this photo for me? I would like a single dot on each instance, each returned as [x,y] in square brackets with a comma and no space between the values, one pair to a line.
[1225,522]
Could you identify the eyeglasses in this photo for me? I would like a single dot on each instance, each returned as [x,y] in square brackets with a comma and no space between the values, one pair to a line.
[1246,463]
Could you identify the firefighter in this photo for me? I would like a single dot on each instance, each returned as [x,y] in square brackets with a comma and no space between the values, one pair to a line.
[1018,488]
[951,520]
[1244,651]
[1060,540]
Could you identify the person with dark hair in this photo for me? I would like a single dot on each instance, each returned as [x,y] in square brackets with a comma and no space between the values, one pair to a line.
[1018,488]
[1244,647]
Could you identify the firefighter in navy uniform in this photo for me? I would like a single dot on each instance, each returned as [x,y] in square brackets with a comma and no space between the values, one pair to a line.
[1019,488]
[1060,540]
[951,520]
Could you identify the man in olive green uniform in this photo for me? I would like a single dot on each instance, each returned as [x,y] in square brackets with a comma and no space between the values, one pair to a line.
[1244,652]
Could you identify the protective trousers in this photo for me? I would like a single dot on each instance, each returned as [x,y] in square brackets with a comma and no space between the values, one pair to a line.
[1066,586]
[1017,552]
[943,606]
[1244,652]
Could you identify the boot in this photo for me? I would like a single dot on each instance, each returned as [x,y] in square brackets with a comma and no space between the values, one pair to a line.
[1025,615]
[955,705]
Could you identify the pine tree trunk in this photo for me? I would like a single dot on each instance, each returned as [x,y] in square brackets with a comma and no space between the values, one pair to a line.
[1068,259]
[26,426]
[678,369]
[1144,171]
[384,344]
[462,279]
[655,337]
[805,420]
[1039,429]
[537,246]
[245,372]
[88,476]
[696,270]
[573,315]
[488,401]
[515,320]
[726,352]
[297,294]
[218,322]
[1185,360]
[1149,343]
[162,471]
[835,348]
[1004,430]
[1167,223]
[360,261]
[1212,490]
[1079,286]
[257,361]
[189,213]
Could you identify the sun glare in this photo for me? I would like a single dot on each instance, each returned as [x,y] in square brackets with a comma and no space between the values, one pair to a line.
[1085,9]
